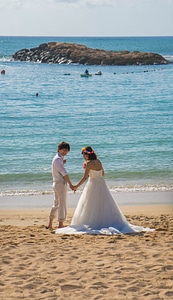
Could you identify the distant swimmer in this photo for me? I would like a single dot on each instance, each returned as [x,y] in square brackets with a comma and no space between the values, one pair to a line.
[36,94]
[3,71]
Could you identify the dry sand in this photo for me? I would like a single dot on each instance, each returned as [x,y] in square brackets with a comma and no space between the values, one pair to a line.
[38,264]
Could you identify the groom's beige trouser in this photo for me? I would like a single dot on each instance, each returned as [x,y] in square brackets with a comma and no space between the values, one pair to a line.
[60,201]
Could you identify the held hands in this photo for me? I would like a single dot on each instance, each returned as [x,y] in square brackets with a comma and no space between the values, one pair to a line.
[73,187]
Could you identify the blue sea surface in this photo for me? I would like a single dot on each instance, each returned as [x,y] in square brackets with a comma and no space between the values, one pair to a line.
[126,115]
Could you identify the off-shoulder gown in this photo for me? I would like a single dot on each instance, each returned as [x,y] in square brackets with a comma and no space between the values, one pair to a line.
[97,212]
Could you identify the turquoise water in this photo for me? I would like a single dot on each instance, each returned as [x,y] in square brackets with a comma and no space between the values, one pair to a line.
[126,115]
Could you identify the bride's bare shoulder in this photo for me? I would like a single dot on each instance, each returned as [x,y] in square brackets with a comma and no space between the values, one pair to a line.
[95,164]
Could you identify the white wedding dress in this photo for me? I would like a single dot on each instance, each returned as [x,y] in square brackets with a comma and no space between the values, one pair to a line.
[97,211]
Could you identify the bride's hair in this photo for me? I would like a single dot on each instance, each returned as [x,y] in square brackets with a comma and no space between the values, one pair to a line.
[90,152]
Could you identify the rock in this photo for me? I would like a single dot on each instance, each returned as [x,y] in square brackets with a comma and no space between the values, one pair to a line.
[69,53]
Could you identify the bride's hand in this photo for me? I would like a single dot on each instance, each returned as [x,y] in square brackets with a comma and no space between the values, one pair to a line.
[74,188]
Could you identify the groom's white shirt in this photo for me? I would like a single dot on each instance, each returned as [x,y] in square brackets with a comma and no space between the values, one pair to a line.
[58,170]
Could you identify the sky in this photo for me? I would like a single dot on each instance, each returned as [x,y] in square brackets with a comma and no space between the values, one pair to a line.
[86,17]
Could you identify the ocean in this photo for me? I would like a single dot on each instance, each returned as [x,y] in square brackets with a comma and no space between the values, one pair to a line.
[126,115]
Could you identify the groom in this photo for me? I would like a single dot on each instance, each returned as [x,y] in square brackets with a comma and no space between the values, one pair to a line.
[60,180]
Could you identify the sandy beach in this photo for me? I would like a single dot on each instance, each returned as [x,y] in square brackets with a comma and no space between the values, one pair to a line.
[38,264]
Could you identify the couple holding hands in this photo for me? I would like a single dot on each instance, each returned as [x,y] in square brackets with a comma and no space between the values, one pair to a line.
[61,178]
[96,211]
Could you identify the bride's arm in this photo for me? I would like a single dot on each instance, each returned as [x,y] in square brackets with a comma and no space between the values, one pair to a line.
[85,176]
[103,172]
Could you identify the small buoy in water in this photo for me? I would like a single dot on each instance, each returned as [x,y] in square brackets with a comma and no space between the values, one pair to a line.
[36,94]
[98,73]
[2,71]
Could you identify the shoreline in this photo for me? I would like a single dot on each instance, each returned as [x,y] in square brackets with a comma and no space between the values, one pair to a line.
[43,201]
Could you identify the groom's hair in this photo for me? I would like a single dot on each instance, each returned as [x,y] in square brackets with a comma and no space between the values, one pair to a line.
[64,145]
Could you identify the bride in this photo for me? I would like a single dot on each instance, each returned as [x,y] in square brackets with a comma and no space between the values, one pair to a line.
[97,212]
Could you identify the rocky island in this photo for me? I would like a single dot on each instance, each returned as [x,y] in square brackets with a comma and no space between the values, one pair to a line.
[71,53]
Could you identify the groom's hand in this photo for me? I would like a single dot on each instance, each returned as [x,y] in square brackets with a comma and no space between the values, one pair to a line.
[72,187]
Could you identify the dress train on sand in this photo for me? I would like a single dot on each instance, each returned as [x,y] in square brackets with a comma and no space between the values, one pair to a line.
[97,212]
